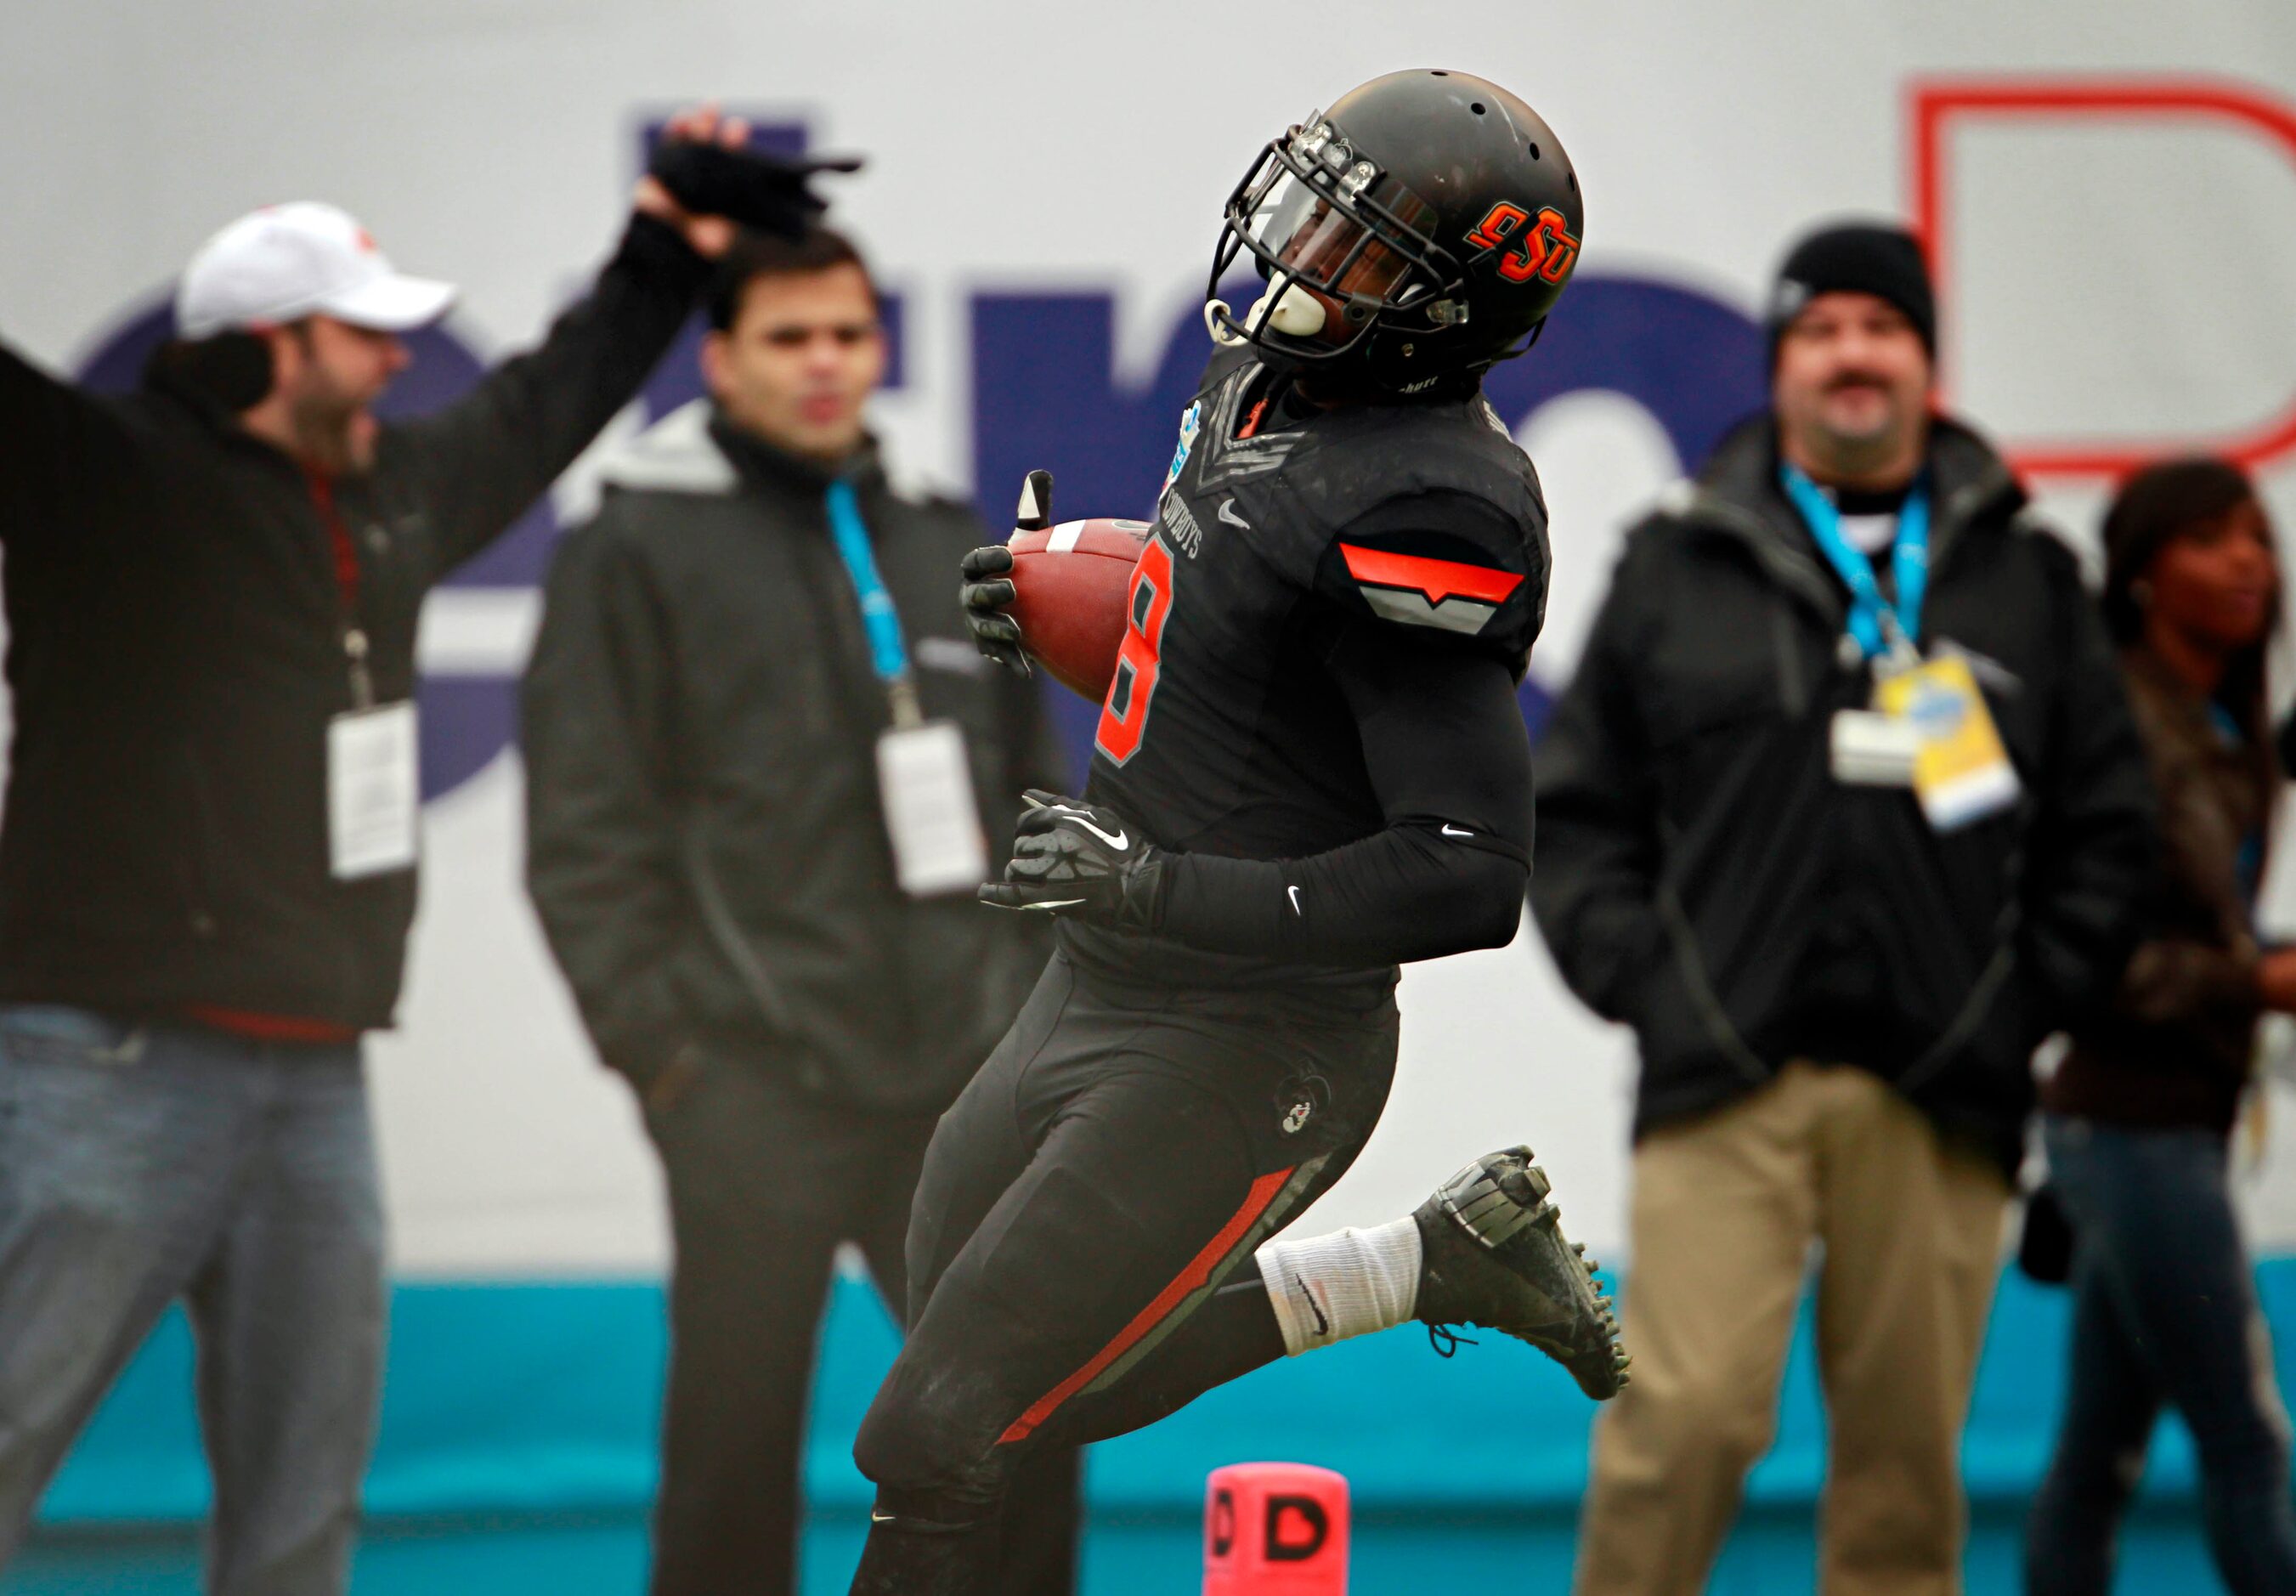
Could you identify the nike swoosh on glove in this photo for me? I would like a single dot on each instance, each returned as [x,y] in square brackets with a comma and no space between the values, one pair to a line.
[986,589]
[1074,857]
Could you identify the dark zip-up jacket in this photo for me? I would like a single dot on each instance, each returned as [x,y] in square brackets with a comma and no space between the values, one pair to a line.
[176,650]
[705,840]
[2175,1046]
[1702,877]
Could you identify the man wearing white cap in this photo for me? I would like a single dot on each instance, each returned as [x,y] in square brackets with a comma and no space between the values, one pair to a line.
[207,861]
[307,282]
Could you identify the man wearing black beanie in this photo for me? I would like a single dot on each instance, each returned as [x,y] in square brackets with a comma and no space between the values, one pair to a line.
[1860,258]
[1843,813]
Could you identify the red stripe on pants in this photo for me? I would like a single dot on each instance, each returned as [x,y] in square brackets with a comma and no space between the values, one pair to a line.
[1188,1280]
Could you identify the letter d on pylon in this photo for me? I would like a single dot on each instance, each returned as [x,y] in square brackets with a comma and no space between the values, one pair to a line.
[1276,1529]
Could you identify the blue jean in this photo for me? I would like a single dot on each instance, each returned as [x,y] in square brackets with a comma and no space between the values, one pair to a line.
[143,1164]
[2165,1311]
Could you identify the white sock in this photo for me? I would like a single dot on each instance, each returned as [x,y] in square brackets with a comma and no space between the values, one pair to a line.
[1326,1288]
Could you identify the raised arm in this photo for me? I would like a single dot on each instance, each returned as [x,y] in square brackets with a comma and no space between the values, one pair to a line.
[481,461]
[61,450]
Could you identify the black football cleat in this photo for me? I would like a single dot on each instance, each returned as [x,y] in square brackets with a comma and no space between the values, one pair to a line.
[1494,1255]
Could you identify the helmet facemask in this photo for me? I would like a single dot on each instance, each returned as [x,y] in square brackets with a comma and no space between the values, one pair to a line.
[1344,247]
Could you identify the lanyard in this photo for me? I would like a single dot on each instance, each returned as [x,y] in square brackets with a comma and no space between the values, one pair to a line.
[1878,629]
[887,653]
[347,583]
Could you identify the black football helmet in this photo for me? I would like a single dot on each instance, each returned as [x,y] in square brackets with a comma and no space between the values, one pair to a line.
[1422,227]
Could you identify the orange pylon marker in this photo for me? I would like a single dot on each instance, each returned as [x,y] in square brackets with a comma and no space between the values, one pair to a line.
[1276,1529]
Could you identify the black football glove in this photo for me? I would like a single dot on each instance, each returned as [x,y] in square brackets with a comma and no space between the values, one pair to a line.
[987,588]
[748,186]
[988,581]
[1073,858]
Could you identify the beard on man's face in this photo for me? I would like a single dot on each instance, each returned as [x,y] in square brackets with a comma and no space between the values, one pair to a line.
[332,434]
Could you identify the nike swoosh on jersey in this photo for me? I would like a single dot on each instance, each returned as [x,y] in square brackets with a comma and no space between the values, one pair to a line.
[1296,909]
[1417,590]
[1119,841]
[1453,831]
[1227,514]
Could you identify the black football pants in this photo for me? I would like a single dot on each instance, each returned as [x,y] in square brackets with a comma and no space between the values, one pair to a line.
[1082,1210]
[763,1183]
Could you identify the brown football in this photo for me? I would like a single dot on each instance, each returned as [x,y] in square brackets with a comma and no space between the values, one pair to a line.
[1070,584]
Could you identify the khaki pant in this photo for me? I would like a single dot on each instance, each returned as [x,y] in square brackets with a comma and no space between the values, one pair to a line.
[1725,1210]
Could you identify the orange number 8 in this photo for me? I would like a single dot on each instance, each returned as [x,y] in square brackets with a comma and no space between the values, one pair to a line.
[1124,715]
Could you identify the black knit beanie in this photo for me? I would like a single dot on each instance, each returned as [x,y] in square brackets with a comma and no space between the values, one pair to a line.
[1855,258]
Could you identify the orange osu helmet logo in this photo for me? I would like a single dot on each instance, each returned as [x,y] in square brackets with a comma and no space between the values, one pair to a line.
[1545,251]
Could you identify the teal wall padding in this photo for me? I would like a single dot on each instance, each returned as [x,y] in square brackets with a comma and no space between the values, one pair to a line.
[518,1421]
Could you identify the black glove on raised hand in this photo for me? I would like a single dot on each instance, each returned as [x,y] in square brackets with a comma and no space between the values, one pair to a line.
[1073,858]
[757,190]
[987,588]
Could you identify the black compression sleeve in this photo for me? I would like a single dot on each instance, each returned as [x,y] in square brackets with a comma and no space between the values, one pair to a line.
[1444,742]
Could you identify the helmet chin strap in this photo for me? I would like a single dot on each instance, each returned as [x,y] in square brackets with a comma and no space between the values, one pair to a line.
[1294,313]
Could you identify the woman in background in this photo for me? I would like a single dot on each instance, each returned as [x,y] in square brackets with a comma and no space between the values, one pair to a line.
[2140,1115]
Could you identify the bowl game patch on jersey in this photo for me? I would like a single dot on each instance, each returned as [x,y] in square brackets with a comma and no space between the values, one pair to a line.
[1192,421]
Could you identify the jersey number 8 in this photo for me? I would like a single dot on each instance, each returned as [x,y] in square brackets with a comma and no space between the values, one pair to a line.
[1124,716]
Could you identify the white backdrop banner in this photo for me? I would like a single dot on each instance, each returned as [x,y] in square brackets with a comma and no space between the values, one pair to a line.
[2110,190]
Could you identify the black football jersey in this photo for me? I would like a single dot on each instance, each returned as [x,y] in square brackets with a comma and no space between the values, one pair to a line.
[1222,732]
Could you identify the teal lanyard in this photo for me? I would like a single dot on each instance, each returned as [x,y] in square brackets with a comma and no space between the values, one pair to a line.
[1879,627]
[887,653]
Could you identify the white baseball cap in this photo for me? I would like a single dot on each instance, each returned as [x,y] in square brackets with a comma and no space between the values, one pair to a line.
[304,259]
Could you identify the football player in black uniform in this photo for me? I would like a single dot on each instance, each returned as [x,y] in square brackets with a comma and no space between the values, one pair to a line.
[1309,767]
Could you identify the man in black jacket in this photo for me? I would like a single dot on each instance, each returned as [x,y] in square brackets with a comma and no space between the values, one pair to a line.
[1842,813]
[207,868]
[740,662]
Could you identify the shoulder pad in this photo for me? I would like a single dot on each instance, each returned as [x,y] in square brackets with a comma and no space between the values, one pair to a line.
[1454,566]
[1337,470]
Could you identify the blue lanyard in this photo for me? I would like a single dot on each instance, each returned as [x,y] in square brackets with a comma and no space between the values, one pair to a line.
[887,651]
[1878,629]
